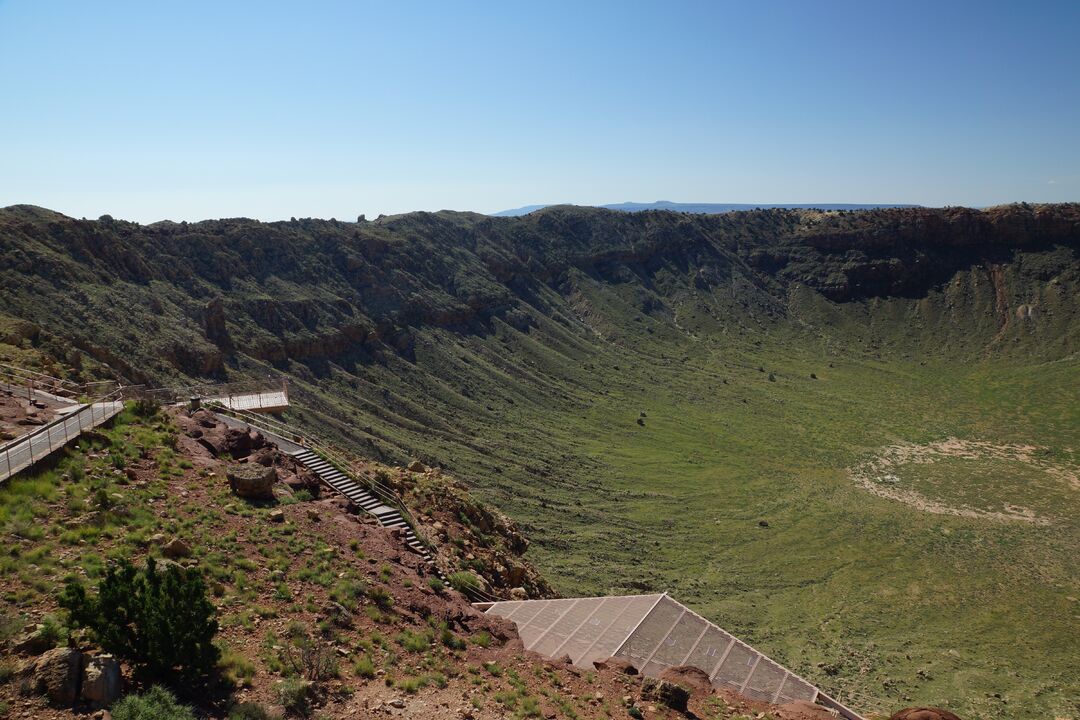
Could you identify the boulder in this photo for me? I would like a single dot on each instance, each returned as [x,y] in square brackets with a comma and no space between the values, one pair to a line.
[252,481]
[417,466]
[688,676]
[101,681]
[923,713]
[666,693]
[616,664]
[277,516]
[34,642]
[518,593]
[56,675]
[337,613]
[176,548]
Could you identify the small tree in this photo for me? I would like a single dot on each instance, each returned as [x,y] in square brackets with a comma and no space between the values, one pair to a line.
[161,622]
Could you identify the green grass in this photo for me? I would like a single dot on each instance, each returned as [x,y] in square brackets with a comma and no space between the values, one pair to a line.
[872,589]
[757,393]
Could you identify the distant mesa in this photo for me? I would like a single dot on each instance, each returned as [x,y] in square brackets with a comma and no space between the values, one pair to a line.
[711,208]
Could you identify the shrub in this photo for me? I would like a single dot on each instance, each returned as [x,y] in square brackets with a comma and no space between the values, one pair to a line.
[161,622]
[155,704]
[364,667]
[450,640]
[464,582]
[436,584]
[236,668]
[295,696]
[347,592]
[146,406]
[414,641]
[308,657]
[381,597]
[51,631]
[250,711]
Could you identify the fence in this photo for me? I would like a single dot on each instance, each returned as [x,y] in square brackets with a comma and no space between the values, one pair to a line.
[24,451]
[242,395]
[380,490]
[275,427]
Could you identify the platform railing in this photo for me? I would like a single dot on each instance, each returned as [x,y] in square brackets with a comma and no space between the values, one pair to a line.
[26,450]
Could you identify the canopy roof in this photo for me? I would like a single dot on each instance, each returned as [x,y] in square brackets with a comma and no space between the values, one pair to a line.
[654,632]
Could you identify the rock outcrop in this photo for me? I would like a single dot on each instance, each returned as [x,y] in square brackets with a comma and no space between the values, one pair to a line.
[55,674]
[252,481]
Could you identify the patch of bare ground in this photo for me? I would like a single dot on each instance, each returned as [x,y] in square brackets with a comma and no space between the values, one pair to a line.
[21,415]
[882,475]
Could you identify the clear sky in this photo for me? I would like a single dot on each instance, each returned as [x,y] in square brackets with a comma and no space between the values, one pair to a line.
[186,110]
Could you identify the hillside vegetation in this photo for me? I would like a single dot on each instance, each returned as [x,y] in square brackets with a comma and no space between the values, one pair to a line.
[851,438]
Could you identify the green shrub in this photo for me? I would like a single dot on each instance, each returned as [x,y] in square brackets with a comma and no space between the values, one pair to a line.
[295,696]
[161,622]
[347,592]
[414,641]
[436,584]
[464,582]
[155,704]
[450,640]
[364,667]
[51,631]
[250,711]
[381,597]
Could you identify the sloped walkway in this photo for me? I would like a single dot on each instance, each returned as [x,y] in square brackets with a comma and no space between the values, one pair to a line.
[22,452]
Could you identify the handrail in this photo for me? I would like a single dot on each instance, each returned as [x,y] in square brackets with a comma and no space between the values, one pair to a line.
[63,422]
[384,493]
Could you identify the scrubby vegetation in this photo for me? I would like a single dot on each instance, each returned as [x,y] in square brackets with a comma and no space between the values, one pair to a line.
[160,621]
[520,355]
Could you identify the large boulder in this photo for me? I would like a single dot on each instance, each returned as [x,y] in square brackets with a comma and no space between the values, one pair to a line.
[176,548]
[56,675]
[688,676]
[666,693]
[616,664]
[252,481]
[34,642]
[101,681]
[923,713]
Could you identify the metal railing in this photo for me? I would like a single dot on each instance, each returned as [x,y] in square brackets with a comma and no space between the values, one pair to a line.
[264,391]
[325,450]
[38,383]
[24,451]
[322,448]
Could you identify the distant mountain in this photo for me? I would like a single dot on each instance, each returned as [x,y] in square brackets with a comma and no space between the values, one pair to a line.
[712,208]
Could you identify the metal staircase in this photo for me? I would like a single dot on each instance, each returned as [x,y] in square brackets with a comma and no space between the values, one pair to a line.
[389,517]
[374,498]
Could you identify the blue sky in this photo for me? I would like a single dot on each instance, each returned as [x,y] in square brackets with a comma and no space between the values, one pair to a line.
[188,110]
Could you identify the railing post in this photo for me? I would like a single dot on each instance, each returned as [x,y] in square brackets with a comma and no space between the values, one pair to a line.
[7,457]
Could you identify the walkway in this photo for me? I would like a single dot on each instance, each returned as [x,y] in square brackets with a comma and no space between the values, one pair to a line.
[356,491]
[22,452]
[270,401]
